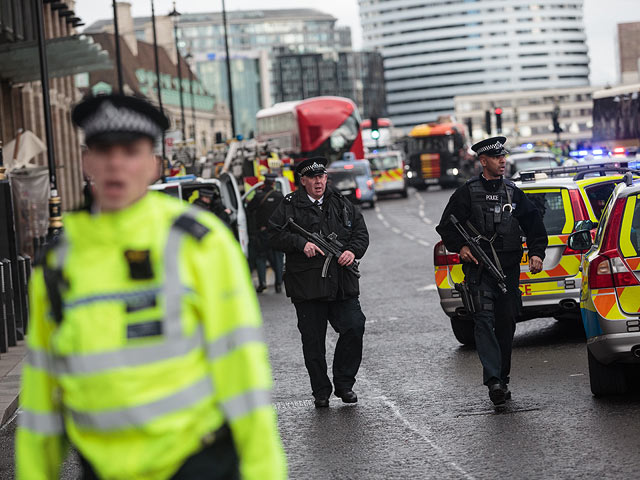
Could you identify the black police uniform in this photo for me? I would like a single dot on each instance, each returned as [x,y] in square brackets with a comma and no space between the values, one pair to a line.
[479,205]
[317,299]
[260,208]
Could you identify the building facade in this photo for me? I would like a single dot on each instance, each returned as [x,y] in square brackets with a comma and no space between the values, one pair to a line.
[527,115]
[355,75]
[255,38]
[438,49]
[629,52]
[204,118]
[21,103]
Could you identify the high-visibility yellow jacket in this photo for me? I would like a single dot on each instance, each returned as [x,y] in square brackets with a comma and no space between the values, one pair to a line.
[141,369]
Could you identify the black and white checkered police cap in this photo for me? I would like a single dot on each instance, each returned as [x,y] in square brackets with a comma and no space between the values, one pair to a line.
[112,119]
[492,147]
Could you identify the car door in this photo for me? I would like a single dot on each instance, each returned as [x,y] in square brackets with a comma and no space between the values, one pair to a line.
[232,198]
[629,246]
[561,265]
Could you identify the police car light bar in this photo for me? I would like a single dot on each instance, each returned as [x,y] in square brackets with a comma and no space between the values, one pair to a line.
[580,171]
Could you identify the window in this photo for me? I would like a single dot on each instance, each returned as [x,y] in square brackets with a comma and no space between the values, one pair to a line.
[598,195]
[551,207]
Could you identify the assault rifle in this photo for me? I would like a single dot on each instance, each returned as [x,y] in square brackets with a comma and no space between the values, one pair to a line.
[474,245]
[330,246]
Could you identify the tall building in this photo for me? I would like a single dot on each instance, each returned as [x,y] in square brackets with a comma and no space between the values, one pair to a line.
[629,52]
[255,37]
[437,49]
[355,75]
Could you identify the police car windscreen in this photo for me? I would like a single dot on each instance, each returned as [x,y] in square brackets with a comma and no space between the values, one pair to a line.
[342,180]
[551,207]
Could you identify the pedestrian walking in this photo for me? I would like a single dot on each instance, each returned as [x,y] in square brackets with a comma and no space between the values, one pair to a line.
[145,346]
[320,296]
[265,201]
[498,212]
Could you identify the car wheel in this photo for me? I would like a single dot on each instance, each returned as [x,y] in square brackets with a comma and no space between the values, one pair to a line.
[463,330]
[404,193]
[606,379]
[421,186]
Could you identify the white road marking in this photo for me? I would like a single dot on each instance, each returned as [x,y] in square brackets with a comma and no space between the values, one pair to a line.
[577,375]
[427,288]
[396,230]
[408,236]
[426,436]
[424,243]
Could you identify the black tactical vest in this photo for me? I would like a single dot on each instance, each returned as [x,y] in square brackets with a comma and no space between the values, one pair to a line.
[490,217]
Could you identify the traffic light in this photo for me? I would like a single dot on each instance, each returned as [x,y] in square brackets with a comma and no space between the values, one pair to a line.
[498,112]
[375,129]
[487,121]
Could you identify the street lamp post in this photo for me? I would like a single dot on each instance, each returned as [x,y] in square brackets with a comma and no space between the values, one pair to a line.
[189,59]
[117,40]
[55,207]
[157,65]
[174,14]
[228,62]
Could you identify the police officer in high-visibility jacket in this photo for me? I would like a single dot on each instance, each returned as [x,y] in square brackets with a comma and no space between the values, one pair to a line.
[145,345]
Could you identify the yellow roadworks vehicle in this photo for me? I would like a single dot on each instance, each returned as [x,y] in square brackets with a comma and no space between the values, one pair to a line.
[564,196]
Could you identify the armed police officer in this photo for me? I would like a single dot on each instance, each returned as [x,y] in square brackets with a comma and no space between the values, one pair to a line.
[259,210]
[145,347]
[496,211]
[321,295]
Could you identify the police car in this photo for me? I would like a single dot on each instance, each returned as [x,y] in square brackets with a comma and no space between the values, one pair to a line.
[564,196]
[610,296]
[187,188]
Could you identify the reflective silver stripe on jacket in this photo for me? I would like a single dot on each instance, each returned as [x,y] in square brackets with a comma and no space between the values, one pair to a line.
[142,414]
[127,357]
[111,297]
[232,340]
[44,423]
[243,404]
[173,289]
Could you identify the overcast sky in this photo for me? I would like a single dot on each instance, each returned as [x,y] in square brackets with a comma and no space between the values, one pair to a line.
[601,17]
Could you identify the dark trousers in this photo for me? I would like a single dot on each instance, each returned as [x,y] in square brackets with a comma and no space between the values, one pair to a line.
[218,461]
[263,254]
[276,260]
[347,320]
[495,320]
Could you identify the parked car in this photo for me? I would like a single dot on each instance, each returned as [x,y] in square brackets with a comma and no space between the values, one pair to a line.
[610,294]
[187,188]
[354,180]
[564,196]
[520,162]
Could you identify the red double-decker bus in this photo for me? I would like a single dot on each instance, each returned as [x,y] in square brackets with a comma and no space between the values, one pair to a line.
[319,126]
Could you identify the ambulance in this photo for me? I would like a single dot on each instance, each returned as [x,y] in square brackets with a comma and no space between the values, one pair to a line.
[388,172]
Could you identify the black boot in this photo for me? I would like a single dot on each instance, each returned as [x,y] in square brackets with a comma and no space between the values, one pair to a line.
[278,288]
[347,396]
[497,395]
[321,401]
[261,288]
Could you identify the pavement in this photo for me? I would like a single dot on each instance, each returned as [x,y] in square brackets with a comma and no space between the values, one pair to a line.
[423,411]
[10,370]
